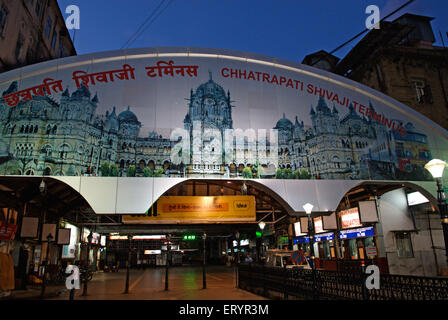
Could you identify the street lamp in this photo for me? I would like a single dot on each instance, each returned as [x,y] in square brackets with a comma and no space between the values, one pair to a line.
[167,261]
[44,280]
[42,186]
[436,167]
[308,207]
[126,289]
[237,236]
[261,224]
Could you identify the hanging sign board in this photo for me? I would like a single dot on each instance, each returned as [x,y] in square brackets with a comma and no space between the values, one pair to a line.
[48,229]
[350,218]
[64,236]
[367,211]
[30,227]
[7,232]
[357,233]
[182,209]
[371,251]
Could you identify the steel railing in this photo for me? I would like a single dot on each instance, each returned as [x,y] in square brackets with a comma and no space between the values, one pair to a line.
[335,285]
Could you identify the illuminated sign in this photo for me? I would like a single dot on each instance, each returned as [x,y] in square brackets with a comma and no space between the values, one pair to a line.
[186,209]
[85,234]
[318,227]
[357,233]
[324,237]
[298,229]
[152,251]
[118,237]
[68,251]
[244,242]
[149,237]
[103,241]
[317,238]
[305,239]
[189,237]
[416,198]
[350,218]
[96,238]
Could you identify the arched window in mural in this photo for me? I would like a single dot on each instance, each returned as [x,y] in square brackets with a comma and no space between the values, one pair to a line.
[63,151]
[166,165]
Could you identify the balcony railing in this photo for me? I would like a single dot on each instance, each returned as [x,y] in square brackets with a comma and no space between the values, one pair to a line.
[337,285]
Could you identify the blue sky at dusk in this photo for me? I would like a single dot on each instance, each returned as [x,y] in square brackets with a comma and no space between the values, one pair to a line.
[288,29]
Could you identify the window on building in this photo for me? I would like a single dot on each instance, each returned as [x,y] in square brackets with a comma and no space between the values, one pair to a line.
[419,87]
[428,94]
[404,245]
[19,46]
[48,28]
[53,40]
[61,49]
[3,16]
[37,8]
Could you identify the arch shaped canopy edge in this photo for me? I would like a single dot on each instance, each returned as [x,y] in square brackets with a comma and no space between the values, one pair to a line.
[136,195]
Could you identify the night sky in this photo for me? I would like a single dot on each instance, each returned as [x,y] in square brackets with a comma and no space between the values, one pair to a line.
[288,29]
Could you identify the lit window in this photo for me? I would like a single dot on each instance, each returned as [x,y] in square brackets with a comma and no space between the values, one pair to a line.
[419,87]
[404,245]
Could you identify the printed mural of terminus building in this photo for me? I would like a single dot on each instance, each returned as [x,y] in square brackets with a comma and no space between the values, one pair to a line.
[43,136]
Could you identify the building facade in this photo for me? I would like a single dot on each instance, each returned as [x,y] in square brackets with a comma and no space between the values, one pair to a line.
[401,61]
[32,31]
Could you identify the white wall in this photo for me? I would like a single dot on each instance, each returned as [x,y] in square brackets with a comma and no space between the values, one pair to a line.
[395,216]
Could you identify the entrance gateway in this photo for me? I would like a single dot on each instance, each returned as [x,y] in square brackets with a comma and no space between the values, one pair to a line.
[113,134]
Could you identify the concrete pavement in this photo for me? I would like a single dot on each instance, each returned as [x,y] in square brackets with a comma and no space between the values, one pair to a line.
[185,283]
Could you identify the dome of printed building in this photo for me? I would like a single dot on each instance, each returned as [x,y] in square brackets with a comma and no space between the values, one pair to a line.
[127,116]
[284,123]
[211,88]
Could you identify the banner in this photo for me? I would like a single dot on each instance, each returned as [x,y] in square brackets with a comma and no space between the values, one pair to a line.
[209,114]
[186,209]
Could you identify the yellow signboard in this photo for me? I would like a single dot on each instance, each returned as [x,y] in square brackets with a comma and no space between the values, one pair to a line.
[187,209]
